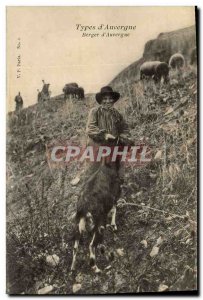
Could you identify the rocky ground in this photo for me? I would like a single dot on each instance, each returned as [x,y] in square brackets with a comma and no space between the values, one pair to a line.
[155,247]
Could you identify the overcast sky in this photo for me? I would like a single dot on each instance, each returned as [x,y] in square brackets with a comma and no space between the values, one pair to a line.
[51,48]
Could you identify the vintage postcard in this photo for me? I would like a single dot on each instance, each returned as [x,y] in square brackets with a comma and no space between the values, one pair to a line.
[102,173]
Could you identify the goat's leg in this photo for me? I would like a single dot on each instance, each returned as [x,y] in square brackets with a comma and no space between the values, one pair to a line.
[113,218]
[92,248]
[112,214]
[81,228]
[75,250]
[100,237]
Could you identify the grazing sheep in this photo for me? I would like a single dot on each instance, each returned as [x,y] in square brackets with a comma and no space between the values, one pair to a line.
[176,61]
[81,93]
[98,197]
[154,69]
[73,90]
[74,84]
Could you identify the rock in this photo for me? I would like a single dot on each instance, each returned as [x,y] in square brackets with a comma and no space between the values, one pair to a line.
[159,241]
[76,287]
[144,242]
[120,251]
[154,252]
[158,155]
[46,290]
[162,287]
[52,260]
[75,181]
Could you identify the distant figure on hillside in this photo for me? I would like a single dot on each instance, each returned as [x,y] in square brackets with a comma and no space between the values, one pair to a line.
[19,102]
[45,93]
[38,95]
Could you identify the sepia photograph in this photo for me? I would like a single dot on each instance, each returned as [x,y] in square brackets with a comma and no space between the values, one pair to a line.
[102,150]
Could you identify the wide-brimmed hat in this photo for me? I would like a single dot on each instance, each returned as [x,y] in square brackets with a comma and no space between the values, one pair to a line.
[107,90]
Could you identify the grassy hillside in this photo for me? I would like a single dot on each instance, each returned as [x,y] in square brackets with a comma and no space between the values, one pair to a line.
[155,247]
[161,48]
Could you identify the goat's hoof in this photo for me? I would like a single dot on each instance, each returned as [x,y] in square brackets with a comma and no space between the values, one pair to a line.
[72,272]
[96,270]
[114,227]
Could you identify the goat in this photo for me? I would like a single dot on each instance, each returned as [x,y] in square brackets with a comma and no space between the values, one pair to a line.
[98,197]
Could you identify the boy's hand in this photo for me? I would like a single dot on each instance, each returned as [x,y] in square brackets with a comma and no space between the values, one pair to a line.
[109,136]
